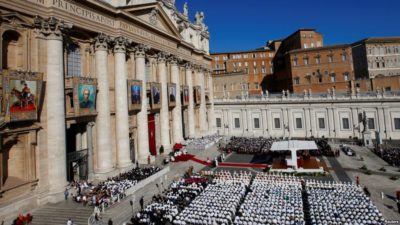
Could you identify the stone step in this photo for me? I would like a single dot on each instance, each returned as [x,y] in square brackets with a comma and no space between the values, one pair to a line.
[58,214]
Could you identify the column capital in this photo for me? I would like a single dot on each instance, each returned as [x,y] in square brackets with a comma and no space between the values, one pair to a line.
[162,57]
[101,42]
[91,124]
[174,60]
[188,66]
[140,50]
[200,68]
[51,28]
[120,44]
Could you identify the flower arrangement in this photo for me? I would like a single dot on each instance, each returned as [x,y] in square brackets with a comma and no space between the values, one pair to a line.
[22,220]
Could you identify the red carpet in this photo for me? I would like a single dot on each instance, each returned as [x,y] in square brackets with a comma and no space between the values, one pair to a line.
[200,161]
[183,158]
[245,165]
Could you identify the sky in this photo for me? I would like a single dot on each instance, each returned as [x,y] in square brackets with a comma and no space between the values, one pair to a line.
[236,25]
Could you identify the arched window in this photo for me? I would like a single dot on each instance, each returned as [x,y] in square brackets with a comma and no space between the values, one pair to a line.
[73,60]
[12,50]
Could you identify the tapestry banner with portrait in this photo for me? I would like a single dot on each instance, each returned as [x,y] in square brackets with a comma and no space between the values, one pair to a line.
[197,95]
[85,90]
[155,99]
[22,92]
[135,94]
[185,95]
[171,94]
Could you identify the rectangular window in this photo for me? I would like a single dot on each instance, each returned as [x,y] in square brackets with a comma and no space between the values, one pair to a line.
[256,123]
[277,123]
[297,80]
[318,60]
[263,70]
[333,78]
[345,123]
[321,123]
[344,57]
[73,61]
[237,123]
[305,61]
[256,85]
[397,123]
[330,59]
[218,122]
[299,124]
[346,77]
[295,62]
[371,123]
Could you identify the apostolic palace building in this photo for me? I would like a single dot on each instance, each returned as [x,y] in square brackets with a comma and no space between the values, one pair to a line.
[91,87]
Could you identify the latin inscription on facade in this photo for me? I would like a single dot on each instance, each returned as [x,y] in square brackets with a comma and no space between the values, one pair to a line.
[96,17]
[143,33]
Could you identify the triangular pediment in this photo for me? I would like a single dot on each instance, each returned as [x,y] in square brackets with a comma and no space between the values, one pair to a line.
[16,19]
[154,15]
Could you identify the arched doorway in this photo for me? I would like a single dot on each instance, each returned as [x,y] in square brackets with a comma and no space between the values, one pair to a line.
[17,159]
[12,50]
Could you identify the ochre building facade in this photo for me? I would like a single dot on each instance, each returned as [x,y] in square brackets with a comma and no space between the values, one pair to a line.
[91,87]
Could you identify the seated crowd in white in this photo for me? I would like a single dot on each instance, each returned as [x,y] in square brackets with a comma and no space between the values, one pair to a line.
[273,199]
[340,203]
[219,201]
[201,143]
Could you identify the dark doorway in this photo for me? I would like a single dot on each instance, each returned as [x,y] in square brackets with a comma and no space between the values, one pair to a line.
[77,159]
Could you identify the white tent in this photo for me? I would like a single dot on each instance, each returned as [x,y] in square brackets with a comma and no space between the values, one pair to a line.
[293,147]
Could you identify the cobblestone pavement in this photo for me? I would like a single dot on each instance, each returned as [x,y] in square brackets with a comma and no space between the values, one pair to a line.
[377,182]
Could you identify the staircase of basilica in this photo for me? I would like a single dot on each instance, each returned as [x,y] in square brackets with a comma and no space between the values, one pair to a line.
[59,213]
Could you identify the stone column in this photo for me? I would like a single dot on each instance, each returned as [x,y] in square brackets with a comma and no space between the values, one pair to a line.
[291,125]
[264,125]
[176,112]
[202,113]
[211,115]
[84,139]
[388,122]
[142,122]
[244,123]
[189,82]
[89,132]
[336,122]
[103,120]
[121,104]
[313,120]
[307,122]
[55,103]
[381,122]
[78,141]
[355,125]
[164,111]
